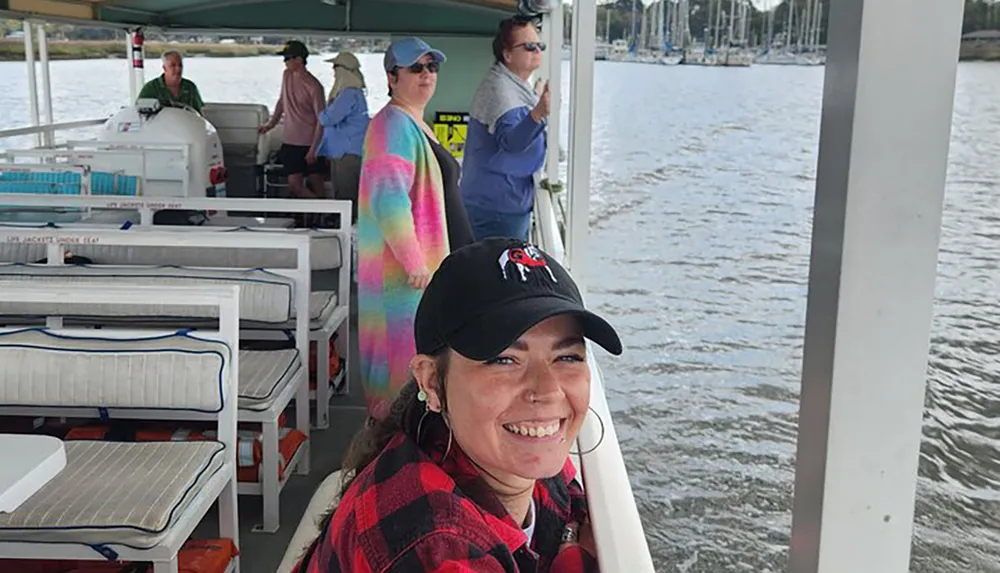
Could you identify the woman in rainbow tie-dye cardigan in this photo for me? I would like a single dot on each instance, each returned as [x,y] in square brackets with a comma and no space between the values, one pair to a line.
[402,226]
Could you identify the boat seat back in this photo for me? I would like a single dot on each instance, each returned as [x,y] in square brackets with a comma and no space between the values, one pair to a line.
[265,297]
[323,501]
[184,372]
[236,124]
[324,255]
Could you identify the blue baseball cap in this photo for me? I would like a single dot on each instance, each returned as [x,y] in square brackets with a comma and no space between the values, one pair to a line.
[406,51]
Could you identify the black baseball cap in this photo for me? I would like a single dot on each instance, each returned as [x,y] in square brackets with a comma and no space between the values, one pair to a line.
[294,49]
[486,295]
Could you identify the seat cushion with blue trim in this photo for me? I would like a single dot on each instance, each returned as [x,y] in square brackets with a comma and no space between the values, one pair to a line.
[264,296]
[41,368]
[322,304]
[116,493]
[264,374]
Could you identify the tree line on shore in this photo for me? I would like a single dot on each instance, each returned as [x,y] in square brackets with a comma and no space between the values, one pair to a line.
[979,15]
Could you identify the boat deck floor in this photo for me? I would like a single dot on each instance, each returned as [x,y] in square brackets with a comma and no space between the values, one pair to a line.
[263,552]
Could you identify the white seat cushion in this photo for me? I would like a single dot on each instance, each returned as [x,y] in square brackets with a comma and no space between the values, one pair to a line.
[264,296]
[324,253]
[116,493]
[321,306]
[264,374]
[181,371]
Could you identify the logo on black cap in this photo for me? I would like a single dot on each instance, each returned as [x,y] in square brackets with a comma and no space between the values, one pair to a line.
[525,259]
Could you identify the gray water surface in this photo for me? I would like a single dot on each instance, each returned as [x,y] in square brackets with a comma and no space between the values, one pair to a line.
[701,221]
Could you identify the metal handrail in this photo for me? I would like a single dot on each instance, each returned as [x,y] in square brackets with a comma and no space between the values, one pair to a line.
[50,127]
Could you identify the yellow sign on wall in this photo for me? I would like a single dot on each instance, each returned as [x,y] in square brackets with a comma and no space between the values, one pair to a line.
[450,128]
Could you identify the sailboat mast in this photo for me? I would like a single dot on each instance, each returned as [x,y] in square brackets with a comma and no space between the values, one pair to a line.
[632,30]
[744,23]
[732,21]
[817,23]
[643,30]
[810,5]
[657,26]
[718,24]
[668,21]
[770,27]
[788,28]
[683,24]
[607,22]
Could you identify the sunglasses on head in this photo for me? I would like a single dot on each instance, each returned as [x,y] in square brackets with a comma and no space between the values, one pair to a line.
[531,46]
[418,68]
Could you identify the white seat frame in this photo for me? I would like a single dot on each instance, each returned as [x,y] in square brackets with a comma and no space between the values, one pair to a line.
[338,322]
[222,487]
[270,482]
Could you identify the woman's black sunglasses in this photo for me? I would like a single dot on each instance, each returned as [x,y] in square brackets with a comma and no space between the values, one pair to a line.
[531,46]
[418,68]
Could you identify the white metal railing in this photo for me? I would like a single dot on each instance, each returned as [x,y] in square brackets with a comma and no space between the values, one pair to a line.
[547,225]
[147,161]
[618,532]
[50,129]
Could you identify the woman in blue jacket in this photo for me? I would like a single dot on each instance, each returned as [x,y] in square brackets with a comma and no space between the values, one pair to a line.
[345,121]
[505,143]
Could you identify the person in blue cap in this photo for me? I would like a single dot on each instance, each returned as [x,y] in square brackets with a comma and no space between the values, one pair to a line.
[410,216]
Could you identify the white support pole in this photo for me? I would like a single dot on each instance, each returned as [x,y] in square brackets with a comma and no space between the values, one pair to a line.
[554,34]
[29,60]
[43,58]
[883,155]
[581,113]
[133,87]
[140,73]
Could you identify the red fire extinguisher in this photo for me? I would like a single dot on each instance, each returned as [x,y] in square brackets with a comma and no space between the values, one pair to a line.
[137,41]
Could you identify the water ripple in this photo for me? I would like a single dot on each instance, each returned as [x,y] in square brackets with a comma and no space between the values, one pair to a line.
[703,251]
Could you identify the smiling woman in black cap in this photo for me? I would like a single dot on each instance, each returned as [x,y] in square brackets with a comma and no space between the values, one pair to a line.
[470,471]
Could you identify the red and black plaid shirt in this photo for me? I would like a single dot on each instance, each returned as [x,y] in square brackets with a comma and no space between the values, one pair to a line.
[411,512]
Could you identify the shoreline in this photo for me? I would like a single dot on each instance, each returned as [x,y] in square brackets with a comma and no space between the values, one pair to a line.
[13,50]
[979,52]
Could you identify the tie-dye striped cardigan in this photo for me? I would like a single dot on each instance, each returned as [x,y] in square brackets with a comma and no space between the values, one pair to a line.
[401,227]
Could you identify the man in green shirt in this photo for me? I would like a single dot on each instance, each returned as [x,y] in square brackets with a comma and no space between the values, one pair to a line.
[170,86]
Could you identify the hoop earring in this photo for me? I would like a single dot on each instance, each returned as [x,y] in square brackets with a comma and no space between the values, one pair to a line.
[447,450]
[420,424]
[420,427]
[599,440]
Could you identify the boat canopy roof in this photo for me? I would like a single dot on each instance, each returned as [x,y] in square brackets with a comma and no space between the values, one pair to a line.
[353,17]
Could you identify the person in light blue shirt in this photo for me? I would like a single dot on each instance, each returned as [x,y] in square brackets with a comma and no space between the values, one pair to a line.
[345,121]
[505,143]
